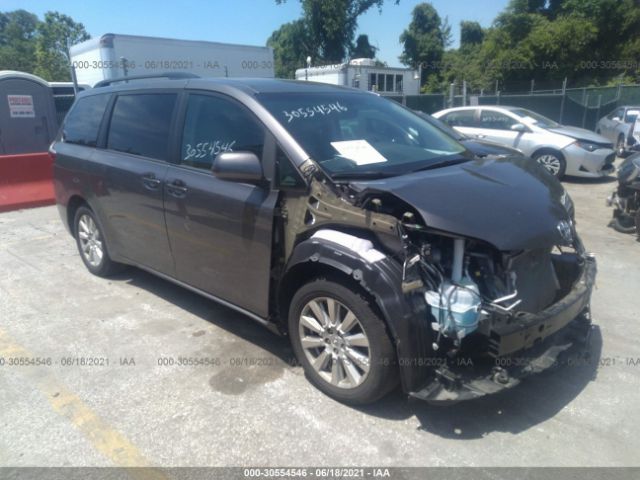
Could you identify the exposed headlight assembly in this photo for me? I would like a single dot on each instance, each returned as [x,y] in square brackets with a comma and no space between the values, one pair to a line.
[567,203]
[588,146]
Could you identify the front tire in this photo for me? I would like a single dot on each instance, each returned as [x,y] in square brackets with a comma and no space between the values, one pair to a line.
[341,342]
[623,224]
[552,161]
[620,150]
[91,244]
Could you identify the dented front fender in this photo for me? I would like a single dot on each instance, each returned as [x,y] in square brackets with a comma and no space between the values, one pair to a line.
[381,277]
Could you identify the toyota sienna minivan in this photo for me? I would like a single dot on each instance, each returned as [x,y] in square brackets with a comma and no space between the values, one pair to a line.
[380,246]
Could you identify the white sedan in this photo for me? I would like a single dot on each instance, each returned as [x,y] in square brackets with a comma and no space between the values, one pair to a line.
[562,150]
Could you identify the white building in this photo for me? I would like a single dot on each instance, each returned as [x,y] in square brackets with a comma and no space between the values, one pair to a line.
[363,73]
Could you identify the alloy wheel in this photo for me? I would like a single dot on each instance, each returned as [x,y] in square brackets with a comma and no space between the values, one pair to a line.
[620,147]
[550,162]
[334,342]
[90,240]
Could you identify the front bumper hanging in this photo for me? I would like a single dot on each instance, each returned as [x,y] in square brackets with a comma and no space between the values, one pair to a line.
[529,345]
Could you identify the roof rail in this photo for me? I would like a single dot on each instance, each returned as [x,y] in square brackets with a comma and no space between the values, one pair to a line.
[169,75]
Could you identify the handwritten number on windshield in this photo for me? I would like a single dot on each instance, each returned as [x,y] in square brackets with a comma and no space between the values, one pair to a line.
[312,111]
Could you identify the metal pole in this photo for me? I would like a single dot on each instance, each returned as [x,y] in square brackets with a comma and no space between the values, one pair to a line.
[464,93]
[533,83]
[598,110]
[72,70]
[124,67]
[452,91]
[585,105]
[564,94]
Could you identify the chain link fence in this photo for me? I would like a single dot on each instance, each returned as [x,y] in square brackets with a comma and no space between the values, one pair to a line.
[579,107]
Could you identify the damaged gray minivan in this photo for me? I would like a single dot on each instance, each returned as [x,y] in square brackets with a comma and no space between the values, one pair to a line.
[384,249]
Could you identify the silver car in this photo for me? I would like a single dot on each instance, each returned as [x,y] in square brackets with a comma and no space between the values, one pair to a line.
[562,150]
[617,127]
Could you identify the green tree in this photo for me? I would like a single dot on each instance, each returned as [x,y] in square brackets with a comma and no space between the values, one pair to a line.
[425,40]
[17,47]
[471,33]
[589,42]
[54,34]
[291,45]
[362,48]
[331,25]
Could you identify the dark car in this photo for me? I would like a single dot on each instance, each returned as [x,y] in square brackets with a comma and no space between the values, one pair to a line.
[384,249]
[480,148]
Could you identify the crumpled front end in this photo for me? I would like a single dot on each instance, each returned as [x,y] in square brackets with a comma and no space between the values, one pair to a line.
[477,290]
[496,317]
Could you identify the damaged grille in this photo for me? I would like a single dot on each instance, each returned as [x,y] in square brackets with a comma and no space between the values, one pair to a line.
[536,280]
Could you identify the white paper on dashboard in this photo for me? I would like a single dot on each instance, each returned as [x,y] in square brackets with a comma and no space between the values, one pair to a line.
[359,151]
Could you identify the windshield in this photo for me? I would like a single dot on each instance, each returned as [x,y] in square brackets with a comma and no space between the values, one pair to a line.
[535,118]
[355,135]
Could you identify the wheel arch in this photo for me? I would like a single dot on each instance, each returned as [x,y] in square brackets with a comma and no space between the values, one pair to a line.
[550,149]
[404,316]
[304,272]
[74,203]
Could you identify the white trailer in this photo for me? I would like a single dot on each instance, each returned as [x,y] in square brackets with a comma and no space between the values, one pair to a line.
[365,74]
[113,55]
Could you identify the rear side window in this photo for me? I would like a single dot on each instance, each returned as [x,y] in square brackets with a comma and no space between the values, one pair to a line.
[462,118]
[83,122]
[496,120]
[214,125]
[140,124]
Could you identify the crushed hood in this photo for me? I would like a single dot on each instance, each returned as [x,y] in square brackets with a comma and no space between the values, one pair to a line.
[512,203]
[580,134]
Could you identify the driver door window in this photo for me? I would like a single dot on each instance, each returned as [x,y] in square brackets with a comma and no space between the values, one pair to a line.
[616,114]
[214,125]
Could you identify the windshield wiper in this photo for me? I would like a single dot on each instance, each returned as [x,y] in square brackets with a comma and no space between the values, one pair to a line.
[369,175]
[444,163]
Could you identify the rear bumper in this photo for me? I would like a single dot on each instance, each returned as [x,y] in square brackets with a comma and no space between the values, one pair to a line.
[529,345]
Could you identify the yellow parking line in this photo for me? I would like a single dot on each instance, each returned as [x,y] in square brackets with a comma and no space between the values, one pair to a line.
[108,441]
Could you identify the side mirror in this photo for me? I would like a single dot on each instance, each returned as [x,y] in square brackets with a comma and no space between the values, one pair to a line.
[519,127]
[241,167]
[616,119]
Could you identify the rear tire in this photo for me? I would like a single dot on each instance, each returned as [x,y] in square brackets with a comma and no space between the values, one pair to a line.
[624,224]
[92,245]
[347,352]
[552,161]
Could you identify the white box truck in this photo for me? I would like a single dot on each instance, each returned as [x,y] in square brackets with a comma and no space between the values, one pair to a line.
[113,56]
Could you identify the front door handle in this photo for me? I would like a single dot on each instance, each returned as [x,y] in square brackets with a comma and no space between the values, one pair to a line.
[150,181]
[177,188]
